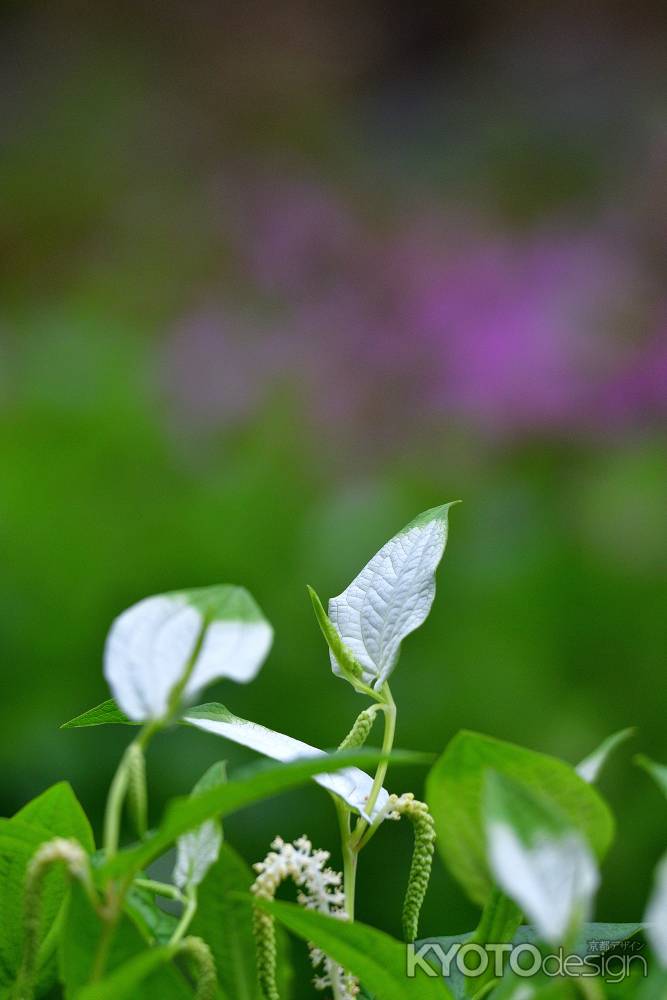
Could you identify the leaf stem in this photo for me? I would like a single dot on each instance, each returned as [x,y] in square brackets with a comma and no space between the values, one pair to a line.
[189,910]
[350,856]
[388,706]
[160,889]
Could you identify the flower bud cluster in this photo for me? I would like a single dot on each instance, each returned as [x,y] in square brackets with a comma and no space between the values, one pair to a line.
[422,856]
[359,733]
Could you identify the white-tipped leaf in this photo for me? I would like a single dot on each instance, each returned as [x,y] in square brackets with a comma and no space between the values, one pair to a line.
[350,784]
[203,634]
[391,597]
[540,862]
[589,768]
[197,850]
[656,915]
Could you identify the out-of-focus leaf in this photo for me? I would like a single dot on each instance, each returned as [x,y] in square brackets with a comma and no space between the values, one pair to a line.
[657,771]
[454,793]
[589,768]
[124,982]
[188,638]
[59,811]
[197,850]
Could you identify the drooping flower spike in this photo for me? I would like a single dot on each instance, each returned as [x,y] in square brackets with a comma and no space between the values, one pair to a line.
[163,651]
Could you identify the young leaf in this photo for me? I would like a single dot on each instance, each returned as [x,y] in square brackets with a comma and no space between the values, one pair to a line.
[657,771]
[227,926]
[455,790]
[155,924]
[347,663]
[104,714]
[538,859]
[390,598]
[350,784]
[197,850]
[251,785]
[185,639]
[656,915]
[374,957]
[589,768]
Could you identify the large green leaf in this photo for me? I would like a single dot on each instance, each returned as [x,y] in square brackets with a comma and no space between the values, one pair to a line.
[252,784]
[106,713]
[79,944]
[124,982]
[226,925]
[59,811]
[454,793]
[377,959]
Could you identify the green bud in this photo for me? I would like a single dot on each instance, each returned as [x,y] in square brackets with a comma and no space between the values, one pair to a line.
[422,859]
[200,953]
[265,950]
[360,731]
[136,792]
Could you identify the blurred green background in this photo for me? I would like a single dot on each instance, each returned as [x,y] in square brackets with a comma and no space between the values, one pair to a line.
[278,277]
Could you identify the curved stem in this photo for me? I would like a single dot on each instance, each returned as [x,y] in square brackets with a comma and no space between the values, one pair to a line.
[350,856]
[389,708]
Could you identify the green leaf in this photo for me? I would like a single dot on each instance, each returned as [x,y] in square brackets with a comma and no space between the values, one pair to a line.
[252,784]
[59,811]
[377,959]
[657,771]
[155,924]
[454,794]
[125,980]
[390,597]
[79,945]
[106,713]
[348,664]
[226,924]
[590,767]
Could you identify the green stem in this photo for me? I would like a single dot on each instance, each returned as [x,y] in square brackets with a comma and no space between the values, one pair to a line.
[350,856]
[189,911]
[388,706]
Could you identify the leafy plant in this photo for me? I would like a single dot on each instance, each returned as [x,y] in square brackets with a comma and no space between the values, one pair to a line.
[522,832]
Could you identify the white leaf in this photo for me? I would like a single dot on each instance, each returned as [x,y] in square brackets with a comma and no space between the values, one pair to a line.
[656,915]
[350,784]
[150,647]
[553,880]
[196,852]
[391,597]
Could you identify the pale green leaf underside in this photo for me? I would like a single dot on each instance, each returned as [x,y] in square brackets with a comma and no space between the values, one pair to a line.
[391,597]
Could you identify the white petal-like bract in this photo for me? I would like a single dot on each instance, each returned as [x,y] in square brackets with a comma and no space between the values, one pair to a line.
[350,784]
[391,597]
[151,646]
[553,880]
[656,915]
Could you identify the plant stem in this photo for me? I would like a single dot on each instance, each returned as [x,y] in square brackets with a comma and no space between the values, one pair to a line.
[389,708]
[160,889]
[189,911]
[350,857]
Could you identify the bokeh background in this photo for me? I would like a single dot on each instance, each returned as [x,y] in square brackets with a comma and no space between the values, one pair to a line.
[276,278]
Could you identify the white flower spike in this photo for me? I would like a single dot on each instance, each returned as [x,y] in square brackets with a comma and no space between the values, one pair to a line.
[189,638]
[391,597]
[350,784]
